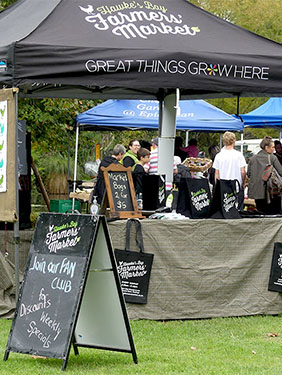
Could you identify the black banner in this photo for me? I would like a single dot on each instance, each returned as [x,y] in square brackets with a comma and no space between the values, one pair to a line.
[134,268]
[224,203]
[194,198]
[153,189]
[275,278]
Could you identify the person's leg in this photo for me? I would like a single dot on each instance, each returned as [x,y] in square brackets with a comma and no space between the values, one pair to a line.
[261,205]
[241,200]
[273,208]
[275,205]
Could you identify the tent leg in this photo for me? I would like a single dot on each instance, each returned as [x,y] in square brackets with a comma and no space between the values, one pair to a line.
[167,136]
[242,142]
[186,138]
[17,223]
[75,165]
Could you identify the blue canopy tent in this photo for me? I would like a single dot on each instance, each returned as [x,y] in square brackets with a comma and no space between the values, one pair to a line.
[194,115]
[267,115]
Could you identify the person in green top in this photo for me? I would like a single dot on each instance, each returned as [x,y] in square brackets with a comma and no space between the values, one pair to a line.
[130,158]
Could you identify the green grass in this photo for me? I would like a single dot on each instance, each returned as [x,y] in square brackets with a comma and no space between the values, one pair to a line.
[223,346]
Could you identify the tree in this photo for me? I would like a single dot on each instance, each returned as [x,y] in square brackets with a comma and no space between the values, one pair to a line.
[259,16]
[50,121]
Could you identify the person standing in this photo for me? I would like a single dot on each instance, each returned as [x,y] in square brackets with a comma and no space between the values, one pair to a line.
[115,158]
[213,151]
[178,151]
[257,187]
[130,157]
[154,157]
[230,164]
[192,149]
[278,151]
[143,156]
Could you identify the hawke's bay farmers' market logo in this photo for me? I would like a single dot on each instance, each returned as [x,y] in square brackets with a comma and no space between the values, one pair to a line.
[229,201]
[200,199]
[155,18]
[59,237]
[279,261]
[143,19]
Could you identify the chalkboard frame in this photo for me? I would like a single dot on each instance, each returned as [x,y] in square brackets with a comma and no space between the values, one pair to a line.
[64,355]
[114,213]
[131,350]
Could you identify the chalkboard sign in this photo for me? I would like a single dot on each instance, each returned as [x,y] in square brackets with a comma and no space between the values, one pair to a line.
[54,282]
[120,191]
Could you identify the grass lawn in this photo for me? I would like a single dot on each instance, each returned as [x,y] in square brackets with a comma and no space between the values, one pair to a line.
[222,346]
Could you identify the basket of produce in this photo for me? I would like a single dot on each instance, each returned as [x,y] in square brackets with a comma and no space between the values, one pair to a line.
[197,164]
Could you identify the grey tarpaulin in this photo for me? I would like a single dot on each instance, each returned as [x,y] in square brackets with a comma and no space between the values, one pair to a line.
[202,268]
[7,269]
[7,288]
[207,268]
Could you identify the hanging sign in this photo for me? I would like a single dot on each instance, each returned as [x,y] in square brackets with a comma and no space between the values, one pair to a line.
[275,278]
[134,267]
[225,200]
[194,198]
[3,145]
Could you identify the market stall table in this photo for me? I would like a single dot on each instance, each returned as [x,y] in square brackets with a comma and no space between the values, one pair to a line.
[207,268]
[202,268]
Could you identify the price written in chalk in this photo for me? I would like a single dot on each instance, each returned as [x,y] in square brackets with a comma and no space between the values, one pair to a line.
[120,191]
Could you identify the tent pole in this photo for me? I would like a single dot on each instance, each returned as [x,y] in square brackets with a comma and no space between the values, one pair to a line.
[187,138]
[167,136]
[242,141]
[220,140]
[238,105]
[160,117]
[75,165]
[280,134]
[17,223]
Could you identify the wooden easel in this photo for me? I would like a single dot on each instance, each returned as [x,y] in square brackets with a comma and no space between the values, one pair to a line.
[120,194]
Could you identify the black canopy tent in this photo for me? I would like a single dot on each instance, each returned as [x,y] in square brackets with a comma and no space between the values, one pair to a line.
[133,49]
[122,49]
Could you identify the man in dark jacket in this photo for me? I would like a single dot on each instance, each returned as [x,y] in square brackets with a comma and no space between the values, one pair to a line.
[117,154]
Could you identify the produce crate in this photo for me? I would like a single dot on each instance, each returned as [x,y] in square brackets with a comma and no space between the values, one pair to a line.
[63,205]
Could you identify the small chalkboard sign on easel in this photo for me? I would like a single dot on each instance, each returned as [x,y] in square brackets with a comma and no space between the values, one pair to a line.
[120,192]
[71,292]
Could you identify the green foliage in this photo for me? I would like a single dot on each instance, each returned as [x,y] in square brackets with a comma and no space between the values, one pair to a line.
[5,3]
[259,16]
[51,121]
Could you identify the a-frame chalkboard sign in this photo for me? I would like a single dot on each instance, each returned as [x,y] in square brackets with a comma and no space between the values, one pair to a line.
[120,193]
[71,292]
